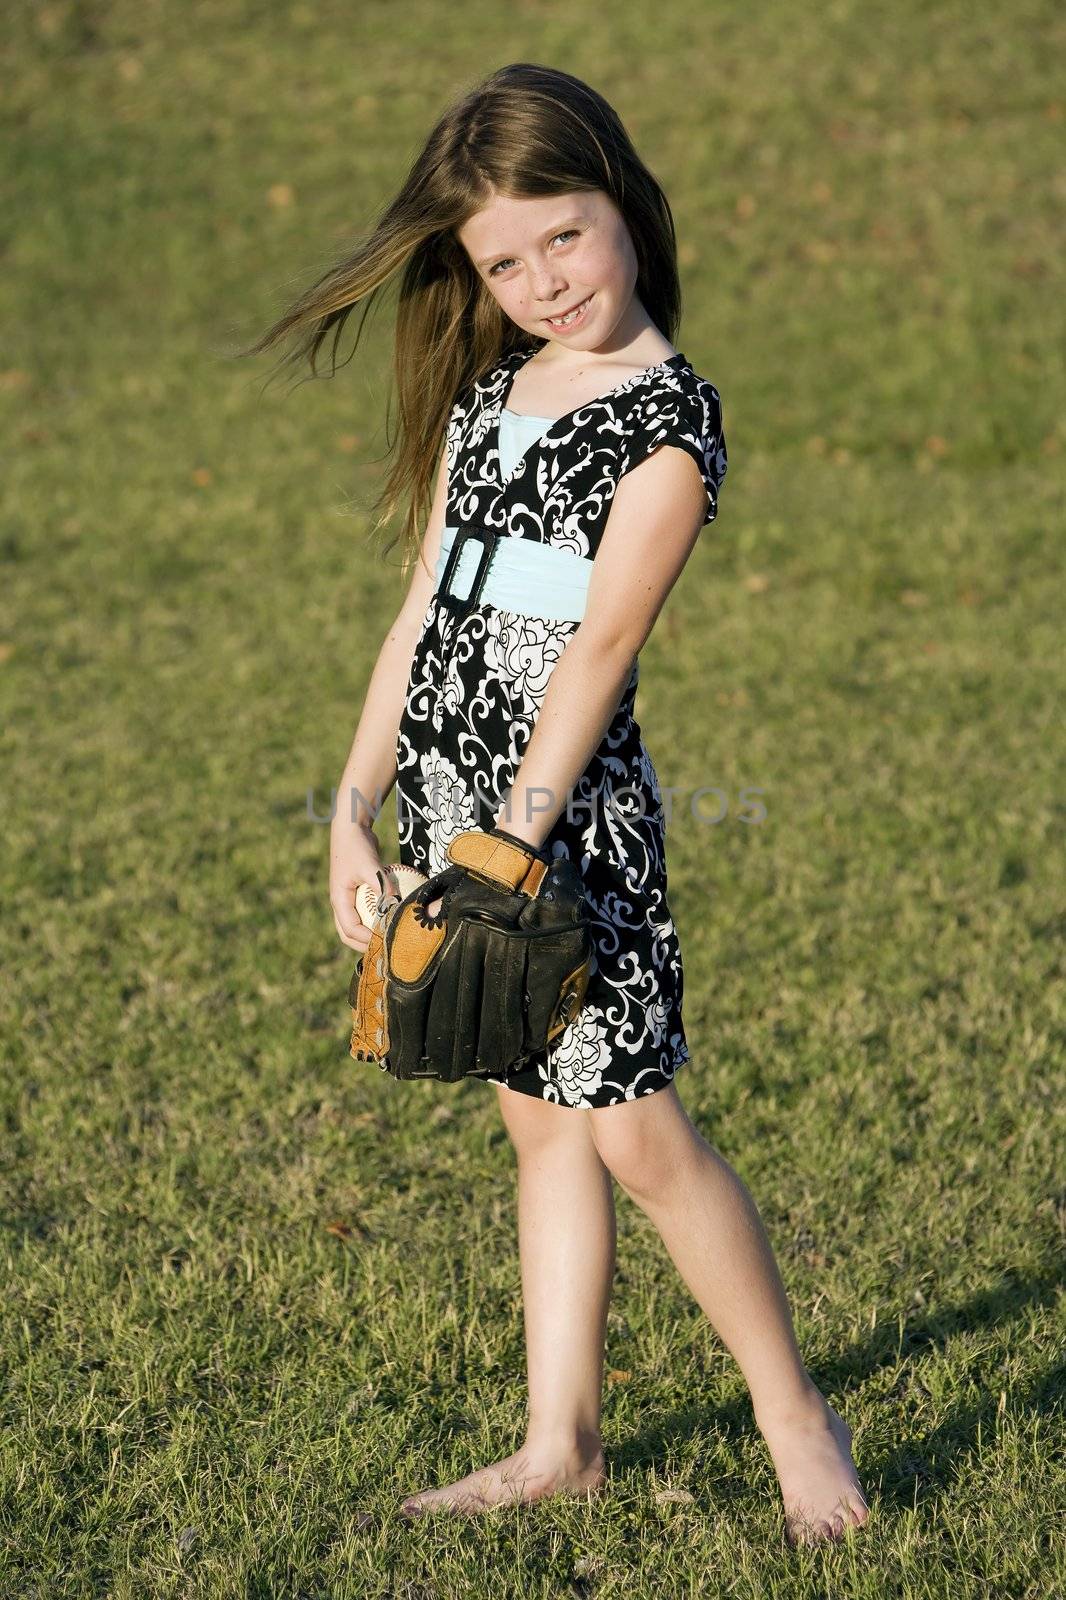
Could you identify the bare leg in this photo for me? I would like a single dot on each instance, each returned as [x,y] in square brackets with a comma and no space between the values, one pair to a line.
[566,1231]
[715,1236]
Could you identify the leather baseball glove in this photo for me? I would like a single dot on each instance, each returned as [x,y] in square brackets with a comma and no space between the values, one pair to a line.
[490,979]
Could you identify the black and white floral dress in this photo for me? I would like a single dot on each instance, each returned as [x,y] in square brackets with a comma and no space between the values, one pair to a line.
[476,686]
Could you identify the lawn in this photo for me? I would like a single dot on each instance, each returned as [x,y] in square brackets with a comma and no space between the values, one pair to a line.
[252,1291]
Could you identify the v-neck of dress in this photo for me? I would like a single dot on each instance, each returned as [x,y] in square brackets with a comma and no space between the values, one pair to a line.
[511,372]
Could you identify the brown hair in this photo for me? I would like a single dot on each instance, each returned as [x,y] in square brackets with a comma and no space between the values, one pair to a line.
[524,131]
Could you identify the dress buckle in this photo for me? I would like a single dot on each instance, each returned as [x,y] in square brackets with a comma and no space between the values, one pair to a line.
[488,537]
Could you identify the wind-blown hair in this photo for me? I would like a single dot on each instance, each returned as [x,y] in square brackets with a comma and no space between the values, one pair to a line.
[523,132]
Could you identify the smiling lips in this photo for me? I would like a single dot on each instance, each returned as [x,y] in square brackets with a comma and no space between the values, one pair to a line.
[557,322]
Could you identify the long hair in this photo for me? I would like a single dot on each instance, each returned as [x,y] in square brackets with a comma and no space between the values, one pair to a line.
[524,131]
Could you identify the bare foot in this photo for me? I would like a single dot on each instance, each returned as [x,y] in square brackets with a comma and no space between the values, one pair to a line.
[526,1475]
[810,1445]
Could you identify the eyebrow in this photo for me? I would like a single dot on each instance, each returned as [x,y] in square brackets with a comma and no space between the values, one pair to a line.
[556,227]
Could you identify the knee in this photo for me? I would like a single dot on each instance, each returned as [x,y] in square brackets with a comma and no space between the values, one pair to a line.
[645,1162]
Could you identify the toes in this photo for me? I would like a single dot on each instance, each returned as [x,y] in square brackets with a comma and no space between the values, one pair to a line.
[799,1530]
[805,1530]
[419,1505]
[416,1506]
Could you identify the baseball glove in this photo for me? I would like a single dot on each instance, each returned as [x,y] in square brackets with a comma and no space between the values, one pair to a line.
[490,979]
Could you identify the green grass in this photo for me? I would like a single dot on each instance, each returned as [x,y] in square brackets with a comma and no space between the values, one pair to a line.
[253,1293]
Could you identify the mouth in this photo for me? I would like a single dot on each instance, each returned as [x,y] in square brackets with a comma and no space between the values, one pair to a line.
[569,319]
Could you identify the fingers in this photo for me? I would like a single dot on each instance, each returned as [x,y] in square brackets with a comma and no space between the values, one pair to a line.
[350,930]
[349,923]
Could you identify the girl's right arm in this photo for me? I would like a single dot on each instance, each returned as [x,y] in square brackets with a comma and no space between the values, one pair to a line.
[371,763]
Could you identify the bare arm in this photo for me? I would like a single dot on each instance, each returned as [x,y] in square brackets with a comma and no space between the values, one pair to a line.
[370,770]
[655,520]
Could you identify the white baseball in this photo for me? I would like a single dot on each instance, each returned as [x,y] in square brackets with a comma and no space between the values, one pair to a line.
[367,897]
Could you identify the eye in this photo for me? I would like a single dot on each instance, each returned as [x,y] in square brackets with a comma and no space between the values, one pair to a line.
[499,264]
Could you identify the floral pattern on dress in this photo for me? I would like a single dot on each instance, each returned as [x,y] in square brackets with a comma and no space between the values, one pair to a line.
[476,686]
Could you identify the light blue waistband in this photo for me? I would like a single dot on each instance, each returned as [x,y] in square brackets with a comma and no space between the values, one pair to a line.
[536,580]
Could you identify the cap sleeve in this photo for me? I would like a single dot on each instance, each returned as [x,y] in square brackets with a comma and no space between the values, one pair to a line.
[690,417]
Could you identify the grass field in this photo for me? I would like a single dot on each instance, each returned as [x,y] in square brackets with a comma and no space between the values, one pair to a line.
[252,1292]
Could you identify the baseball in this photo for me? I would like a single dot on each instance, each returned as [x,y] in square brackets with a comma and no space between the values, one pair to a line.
[405,879]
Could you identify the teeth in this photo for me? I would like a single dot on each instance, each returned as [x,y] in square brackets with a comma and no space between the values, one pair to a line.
[561,322]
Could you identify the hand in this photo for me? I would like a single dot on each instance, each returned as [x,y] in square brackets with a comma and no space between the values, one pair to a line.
[354,858]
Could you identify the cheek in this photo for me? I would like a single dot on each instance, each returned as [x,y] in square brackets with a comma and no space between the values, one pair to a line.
[510,297]
[601,266]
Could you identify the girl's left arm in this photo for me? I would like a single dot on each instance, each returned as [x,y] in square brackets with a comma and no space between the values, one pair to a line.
[656,516]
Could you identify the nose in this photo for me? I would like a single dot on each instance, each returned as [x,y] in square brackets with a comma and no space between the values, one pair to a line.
[546,284]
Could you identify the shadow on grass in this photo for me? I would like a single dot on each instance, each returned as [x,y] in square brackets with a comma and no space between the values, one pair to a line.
[923,1464]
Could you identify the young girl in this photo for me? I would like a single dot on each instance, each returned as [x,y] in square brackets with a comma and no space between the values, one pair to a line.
[538,302]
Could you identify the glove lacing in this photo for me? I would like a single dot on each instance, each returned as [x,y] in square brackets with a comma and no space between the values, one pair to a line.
[440,886]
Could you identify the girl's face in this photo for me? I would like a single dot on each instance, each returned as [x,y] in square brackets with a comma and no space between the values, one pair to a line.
[543,257]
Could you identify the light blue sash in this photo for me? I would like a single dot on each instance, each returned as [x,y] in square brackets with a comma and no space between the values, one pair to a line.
[535,580]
